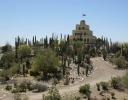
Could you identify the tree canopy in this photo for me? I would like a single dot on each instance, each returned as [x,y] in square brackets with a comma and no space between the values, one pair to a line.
[6,48]
[24,51]
[46,61]
[7,60]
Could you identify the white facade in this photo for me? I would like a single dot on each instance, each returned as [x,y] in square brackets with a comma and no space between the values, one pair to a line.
[83,33]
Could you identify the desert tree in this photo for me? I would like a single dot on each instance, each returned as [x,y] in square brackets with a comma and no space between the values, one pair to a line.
[6,48]
[46,61]
[24,52]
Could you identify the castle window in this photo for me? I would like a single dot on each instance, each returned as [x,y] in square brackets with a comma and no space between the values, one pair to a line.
[79,28]
[85,33]
[87,40]
[83,28]
[76,34]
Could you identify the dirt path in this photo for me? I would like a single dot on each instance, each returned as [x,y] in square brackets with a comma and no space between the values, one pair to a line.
[103,71]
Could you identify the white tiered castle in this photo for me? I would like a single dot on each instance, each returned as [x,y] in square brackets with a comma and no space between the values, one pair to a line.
[83,33]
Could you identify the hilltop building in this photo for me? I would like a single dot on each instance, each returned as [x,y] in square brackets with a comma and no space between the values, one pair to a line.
[83,33]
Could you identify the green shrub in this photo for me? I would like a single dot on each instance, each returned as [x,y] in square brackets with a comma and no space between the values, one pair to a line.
[39,87]
[120,62]
[77,98]
[15,90]
[104,86]
[115,82]
[125,80]
[2,80]
[34,73]
[85,90]
[53,94]
[8,87]
[22,87]
[104,52]
[117,54]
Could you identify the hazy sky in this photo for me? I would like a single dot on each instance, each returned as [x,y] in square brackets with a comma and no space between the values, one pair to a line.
[44,17]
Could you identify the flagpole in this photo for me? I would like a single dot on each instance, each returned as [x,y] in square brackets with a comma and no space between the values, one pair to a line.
[83,16]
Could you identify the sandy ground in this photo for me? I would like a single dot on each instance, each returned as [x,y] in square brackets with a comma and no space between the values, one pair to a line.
[103,71]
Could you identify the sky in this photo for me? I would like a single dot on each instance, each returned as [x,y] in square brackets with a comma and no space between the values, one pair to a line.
[44,17]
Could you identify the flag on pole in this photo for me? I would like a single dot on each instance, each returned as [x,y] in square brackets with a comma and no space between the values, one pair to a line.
[84,15]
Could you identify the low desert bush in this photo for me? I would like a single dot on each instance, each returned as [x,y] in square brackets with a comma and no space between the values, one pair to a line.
[85,90]
[105,86]
[53,94]
[125,80]
[116,82]
[8,87]
[39,87]
[119,61]
[33,73]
